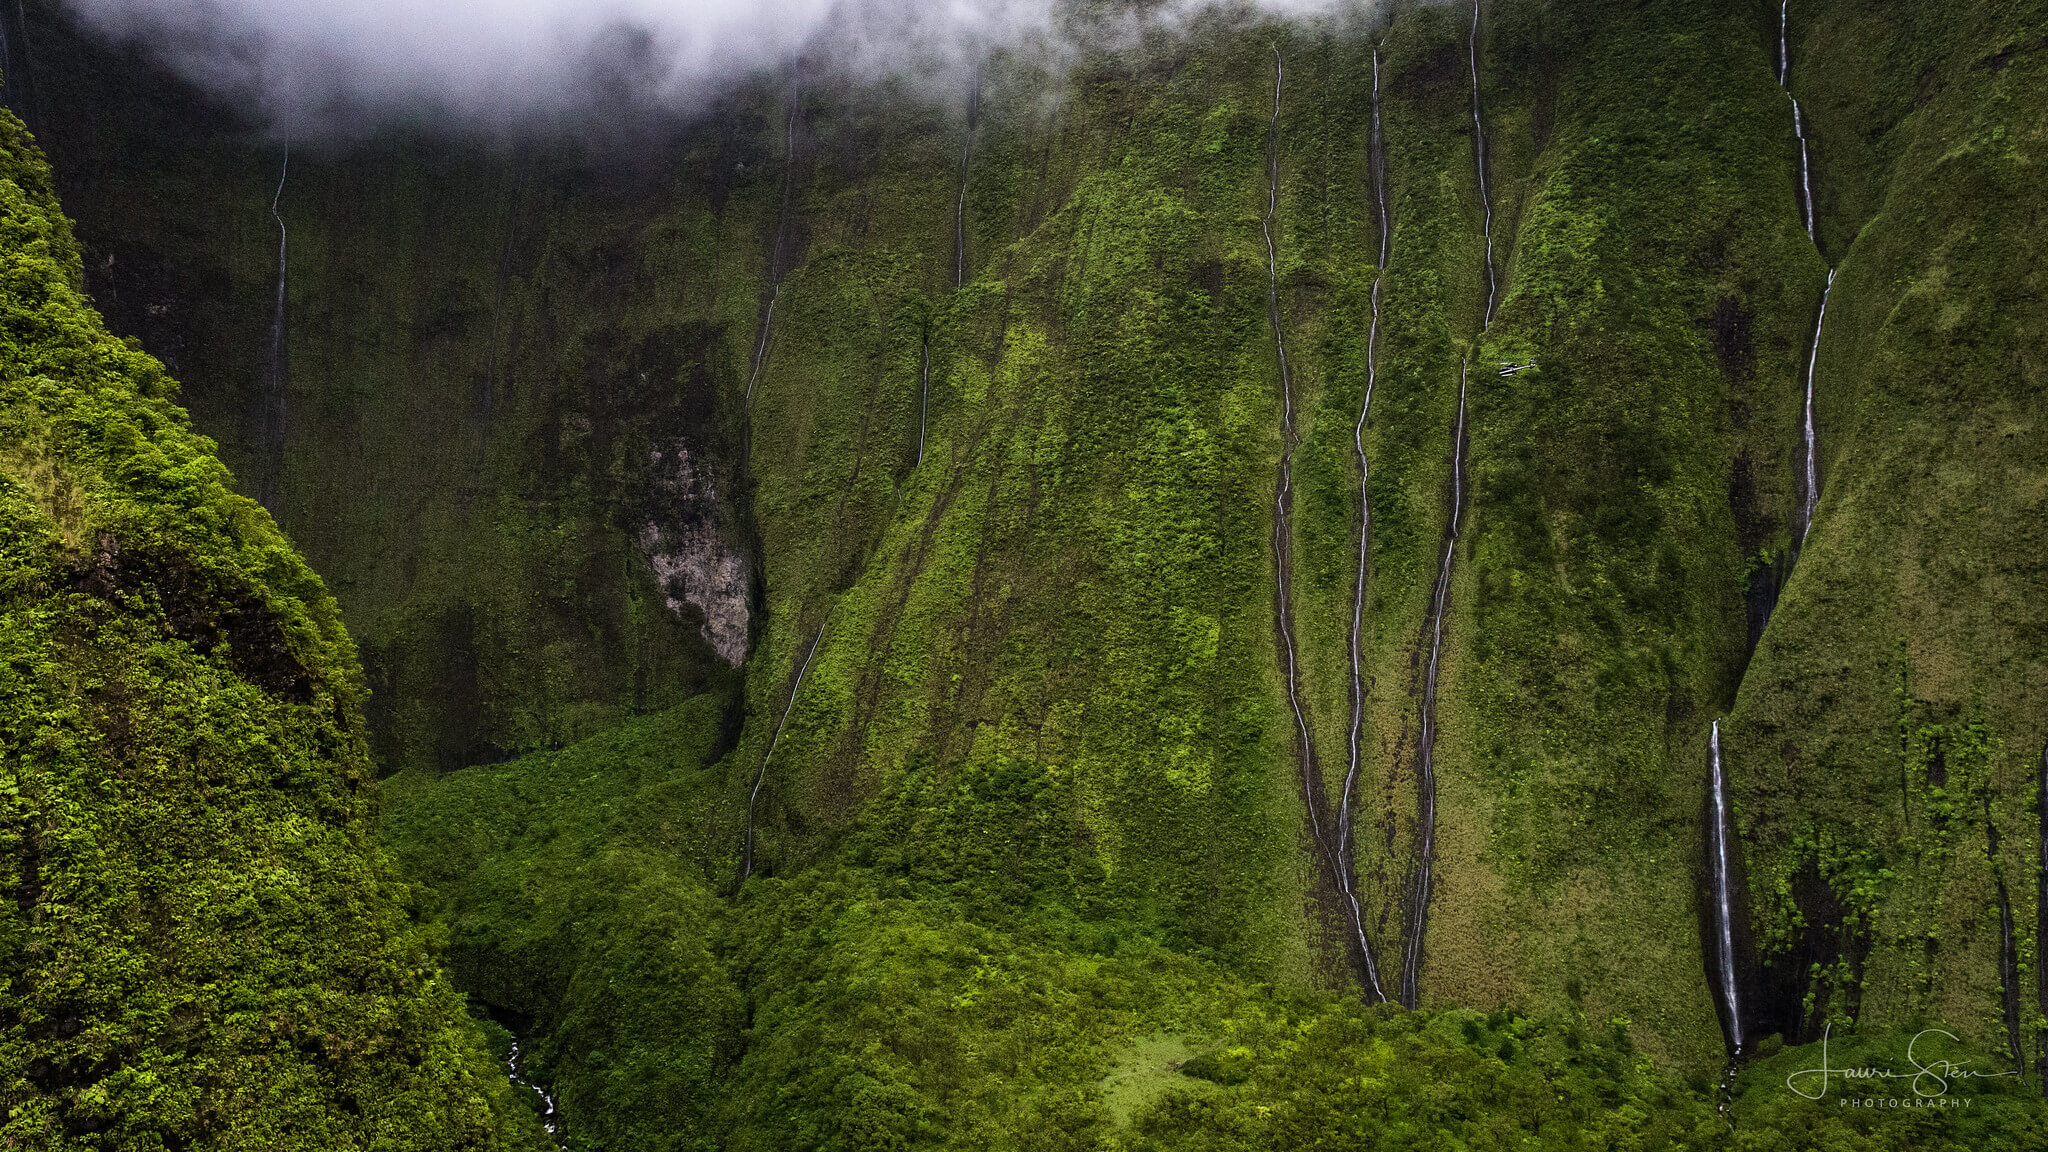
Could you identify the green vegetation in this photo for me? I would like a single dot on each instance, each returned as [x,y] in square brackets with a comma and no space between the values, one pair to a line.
[201,944]
[1030,868]
[882,1000]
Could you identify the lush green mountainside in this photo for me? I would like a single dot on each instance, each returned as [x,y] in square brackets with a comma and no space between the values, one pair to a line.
[1013,775]
[202,944]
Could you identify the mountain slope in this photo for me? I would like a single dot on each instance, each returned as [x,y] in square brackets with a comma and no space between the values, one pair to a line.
[971,426]
[203,947]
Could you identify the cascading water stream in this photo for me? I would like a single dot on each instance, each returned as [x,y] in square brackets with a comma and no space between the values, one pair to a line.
[1809,497]
[1485,196]
[1425,782]
[1798,118]
[1283,498]
[776,272]
[1720,876]
[1425,871]
[550,1116]
[1809,439]
[1283,556]
[960,205]
[925,388]
[17,74]
[761,774]
[1346,867]
[274,369]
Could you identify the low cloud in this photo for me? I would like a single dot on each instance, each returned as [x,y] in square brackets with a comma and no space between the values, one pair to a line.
[318,66]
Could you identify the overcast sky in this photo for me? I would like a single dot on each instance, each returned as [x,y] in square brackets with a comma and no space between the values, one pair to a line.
[310,62]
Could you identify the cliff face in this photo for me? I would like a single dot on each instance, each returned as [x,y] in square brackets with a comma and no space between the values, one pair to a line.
[962,439]
[203,945]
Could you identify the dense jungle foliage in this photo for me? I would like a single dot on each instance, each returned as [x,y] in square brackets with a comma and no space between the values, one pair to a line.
[819,667]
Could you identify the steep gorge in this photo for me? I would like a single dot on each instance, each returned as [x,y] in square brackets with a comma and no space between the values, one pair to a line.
[872,501]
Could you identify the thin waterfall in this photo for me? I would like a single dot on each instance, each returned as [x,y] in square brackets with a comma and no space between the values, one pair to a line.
[274,368]
[1485,196]
[550,1116]
[1346,865]
[1809,495]
[1283,497]
[776,271]
[1425,783]
[1425,871]
[960,205]
[1283,558]
[761,773]
[925,386]
[16,72]
[1721,877]
[1798,120]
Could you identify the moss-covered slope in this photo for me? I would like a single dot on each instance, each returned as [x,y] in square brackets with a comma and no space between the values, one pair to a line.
[1013,710]
[1888,740]
[201,945]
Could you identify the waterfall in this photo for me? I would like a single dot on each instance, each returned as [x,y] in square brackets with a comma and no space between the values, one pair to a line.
[1425,871]
[776,271]
[1283,562]
[550,1116]
[1485,196]
[1283,498]
[1798,122]
[1809,496]
[1721,874]
[1346,866]
[761,773]
[925,402]
[1425,783]
[17,75]
[273,386]
[960,205]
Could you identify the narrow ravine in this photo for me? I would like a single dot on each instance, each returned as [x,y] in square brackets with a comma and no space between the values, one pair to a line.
[1424,882]
[761,773]
[274,368]
[2008,946]
[1347,866]
[1425,772]
[1722,846]
[2041,923]
[1721,909]
[776,269]
[550,1116]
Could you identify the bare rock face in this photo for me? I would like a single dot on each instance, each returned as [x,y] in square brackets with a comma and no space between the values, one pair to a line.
[694,562]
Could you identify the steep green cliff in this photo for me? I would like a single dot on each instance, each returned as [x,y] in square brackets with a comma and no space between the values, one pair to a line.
[1011,790]
[202,945]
